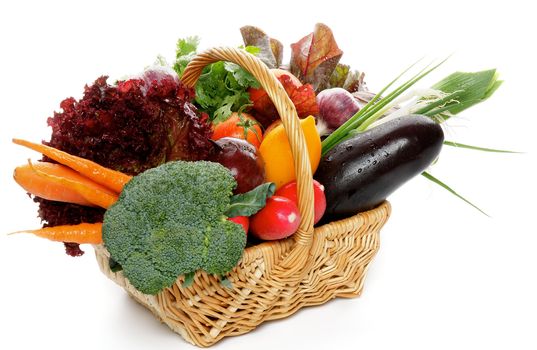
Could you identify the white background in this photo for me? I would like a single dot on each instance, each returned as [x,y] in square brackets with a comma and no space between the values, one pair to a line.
[446,276]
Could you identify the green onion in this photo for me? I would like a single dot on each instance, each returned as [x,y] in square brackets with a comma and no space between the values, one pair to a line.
[374,109]
[449,189]
[461,145]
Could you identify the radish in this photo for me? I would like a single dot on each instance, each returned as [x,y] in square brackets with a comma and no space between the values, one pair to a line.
[319,198]
[278,219]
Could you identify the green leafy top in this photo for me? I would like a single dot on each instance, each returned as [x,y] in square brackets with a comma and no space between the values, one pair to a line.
[185,52]
[222,86]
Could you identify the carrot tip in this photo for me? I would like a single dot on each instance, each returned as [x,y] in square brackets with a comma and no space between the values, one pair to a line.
[17,232]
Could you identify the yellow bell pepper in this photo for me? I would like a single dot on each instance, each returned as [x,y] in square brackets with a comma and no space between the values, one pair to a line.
[276,152]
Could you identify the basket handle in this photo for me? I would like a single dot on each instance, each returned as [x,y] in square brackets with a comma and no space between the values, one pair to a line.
[286,109]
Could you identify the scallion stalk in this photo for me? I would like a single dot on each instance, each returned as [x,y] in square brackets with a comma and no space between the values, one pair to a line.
[476,148]
[430,177]
[375,108]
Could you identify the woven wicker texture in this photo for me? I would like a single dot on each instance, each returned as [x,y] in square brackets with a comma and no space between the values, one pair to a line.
[274,279]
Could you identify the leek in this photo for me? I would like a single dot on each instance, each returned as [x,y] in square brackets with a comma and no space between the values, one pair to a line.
[465,89]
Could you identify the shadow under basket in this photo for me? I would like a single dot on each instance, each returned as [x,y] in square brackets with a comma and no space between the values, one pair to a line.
[273,279]
[206,311]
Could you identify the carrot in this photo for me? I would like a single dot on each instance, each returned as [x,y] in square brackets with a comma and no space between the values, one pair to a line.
[87,189]
[40,186]
[81,233]
[114,180]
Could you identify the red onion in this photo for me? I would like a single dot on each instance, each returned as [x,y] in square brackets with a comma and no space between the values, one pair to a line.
[336,106]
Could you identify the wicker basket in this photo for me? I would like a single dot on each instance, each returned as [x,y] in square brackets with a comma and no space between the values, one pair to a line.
[274,279]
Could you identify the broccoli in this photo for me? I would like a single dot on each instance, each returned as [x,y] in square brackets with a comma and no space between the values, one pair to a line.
[170,221]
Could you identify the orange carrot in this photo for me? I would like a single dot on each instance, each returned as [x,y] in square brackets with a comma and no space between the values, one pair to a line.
[38,185]
[81,233]
[87,189]
[114,180]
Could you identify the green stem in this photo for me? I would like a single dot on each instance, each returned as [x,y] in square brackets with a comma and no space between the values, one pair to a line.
[373,118]
[446,99]
[335,137]
[373,112]
[449,189]
[461,145]
[438,111]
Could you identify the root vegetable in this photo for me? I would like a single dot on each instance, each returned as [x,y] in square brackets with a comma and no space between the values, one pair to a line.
[82,233]
[57,182]
[279,219]
[111,179]
[336,106]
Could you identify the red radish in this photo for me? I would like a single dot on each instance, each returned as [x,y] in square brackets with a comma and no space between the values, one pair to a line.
[278,219]
[244,221]
[319,198]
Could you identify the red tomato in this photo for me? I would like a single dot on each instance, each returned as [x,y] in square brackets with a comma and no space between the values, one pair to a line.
[272,126]
[241,126]
[244,221]
[319,201]
[278,219]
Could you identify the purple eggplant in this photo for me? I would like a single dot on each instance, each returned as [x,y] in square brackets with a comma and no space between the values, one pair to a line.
[361,172]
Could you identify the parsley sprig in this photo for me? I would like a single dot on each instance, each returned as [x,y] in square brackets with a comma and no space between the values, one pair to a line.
[222,87]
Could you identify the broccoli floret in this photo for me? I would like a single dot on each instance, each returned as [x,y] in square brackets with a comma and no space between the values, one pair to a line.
[170,221]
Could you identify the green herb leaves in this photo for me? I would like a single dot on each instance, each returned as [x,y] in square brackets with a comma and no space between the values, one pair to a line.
[222,86]
[185,51]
